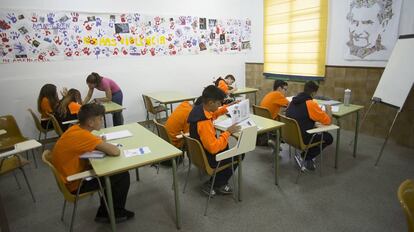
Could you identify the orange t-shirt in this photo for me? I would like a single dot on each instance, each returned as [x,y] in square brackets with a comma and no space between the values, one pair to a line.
[177,123]
[316,113]
[65,156]
[207,132]
[74,107]
[223,86]
[273,101]
[45,107]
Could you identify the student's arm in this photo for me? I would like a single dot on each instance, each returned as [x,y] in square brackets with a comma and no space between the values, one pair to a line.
[222,110]
[108,149]
[208,137]
[316,113]
[223,86]
[88,96]
[107,98]
[282,101]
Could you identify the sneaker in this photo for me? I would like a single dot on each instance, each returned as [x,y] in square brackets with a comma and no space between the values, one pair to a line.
[206,188]
[310,165]
[128,214]
[225,190]
[104,218]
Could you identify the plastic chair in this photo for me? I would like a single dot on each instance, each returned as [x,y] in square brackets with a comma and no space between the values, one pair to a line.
[12,136]
[151,109]
[40,128]
[262,112]
[67,195]
[197,156]
[406,198]
[56,125]
[10,164]
[291,135]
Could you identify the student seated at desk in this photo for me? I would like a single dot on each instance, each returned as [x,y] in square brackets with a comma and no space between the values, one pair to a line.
[47,102]
[225,84]
[68,108]
[276,99]
[177,123]
[202,128]
[306,112]
[78,140]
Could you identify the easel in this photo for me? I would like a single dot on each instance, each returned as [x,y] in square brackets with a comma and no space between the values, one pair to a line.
[374,101]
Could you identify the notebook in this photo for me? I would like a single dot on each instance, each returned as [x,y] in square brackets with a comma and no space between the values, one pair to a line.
[117,135]
[239,114]
[93,155]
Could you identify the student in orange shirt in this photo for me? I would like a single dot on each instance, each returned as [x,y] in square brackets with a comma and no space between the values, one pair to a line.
[225,84]
[276,99]
[78,140]
[306,112]
[177,123]
[68,108]
[202,128]
[47,102]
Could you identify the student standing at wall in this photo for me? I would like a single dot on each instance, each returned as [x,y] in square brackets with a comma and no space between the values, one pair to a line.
[112,93]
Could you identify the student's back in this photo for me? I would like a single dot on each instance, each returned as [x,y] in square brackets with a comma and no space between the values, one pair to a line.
[273,101]
[68,108]
[177,123]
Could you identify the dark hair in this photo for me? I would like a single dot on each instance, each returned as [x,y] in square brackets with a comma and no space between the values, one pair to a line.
[73,95]
[229,76]
[279,83]
[89,111]
[216,82]
[212,93]
[310,87]
[94,78]
[48,91]
[198,101]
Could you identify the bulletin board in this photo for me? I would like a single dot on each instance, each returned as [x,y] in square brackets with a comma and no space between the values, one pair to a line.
[42,36]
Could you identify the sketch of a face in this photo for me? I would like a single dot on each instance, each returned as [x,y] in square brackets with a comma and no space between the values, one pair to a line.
[367,21]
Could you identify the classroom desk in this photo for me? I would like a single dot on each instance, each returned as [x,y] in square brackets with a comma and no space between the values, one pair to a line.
[170,97]
[344,111]
[160,151]
[21,147]
[264,125]
[246,90]
[111,107]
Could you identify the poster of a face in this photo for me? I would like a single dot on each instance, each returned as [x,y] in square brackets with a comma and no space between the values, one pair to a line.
[372,29]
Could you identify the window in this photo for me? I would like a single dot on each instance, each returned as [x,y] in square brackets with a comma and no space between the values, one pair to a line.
[295,38]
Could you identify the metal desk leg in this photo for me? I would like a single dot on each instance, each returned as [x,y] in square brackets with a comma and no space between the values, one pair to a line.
[240,178]
[255,96]
[277,151]
[177,199]
[110,203]
[356,133]
[104,118]
[338,142]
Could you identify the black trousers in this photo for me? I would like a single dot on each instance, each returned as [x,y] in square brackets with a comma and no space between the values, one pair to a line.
[315,151]
[119,186]
[222,177]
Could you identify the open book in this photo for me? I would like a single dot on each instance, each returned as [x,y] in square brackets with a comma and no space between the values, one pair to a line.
[239,114]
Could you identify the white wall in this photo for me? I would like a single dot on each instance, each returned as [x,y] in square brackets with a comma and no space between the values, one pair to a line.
[337,34]
[20,83]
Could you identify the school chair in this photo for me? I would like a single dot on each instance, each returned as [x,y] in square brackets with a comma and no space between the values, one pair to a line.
[67,195]
[197,156]
[262,112]
[163,133]
[42,130]
[12,136]
[153,110]
[292,136]
[10,164]
[56,125]
[406,198]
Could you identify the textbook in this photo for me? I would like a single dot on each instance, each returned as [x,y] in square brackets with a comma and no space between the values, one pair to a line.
[93,155]
[239,114]
[117,135]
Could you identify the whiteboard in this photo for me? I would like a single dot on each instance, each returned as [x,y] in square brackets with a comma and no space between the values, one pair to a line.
[398,77]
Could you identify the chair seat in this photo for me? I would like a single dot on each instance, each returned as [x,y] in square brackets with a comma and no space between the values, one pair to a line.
[11,163]
[210,170]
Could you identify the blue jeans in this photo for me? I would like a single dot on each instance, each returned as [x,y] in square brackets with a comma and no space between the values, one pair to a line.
[117,118]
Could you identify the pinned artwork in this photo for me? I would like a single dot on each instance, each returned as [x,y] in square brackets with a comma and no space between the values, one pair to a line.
[372,29]
[39,36]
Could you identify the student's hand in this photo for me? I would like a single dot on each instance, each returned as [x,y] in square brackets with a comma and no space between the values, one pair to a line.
[233,129]
[328,109]
[64,91]
[103,137]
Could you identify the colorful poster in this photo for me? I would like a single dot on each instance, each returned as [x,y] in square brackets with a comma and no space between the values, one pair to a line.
[39,36]
[372,29]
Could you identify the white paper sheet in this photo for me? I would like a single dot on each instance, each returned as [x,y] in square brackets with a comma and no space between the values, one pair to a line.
[117,135]
[136,151]
[93,155]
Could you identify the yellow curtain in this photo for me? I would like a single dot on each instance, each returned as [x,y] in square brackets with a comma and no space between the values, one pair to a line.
[295,34]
